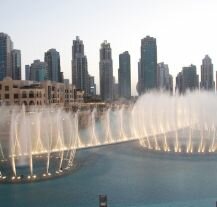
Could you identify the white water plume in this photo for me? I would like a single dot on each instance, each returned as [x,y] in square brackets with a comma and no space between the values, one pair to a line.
[179,124]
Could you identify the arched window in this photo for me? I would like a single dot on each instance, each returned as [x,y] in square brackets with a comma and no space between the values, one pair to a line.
[31,94]
[31,103]
[24,94]
[25,103]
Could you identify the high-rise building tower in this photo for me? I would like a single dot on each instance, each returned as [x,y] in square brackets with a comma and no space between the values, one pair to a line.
[190,78]
[164,79]
[80,77]
[52,58]
[38,71]
[106,72]
[179,83]
[138,85]
[16,64]
[27,72]
[187,79]
[92,86]
[207,80]
[148,64]
[61,77]
[6,46]
[124,75]
[171,84]
[115,89]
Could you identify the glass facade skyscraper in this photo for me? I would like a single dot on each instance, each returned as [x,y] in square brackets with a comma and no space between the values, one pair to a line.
[187,79]
[106,72]
[52,58]
[148,64]
[124,75]
[38,71]
[207,80]
[27,72]
[92,86]
[164,79]
[6,46]
[80,76]
[16,64]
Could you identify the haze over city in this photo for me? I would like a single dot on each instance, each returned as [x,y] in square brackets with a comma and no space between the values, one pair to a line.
[185,30]
[108,103]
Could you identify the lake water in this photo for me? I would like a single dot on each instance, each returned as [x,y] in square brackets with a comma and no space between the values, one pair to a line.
[129,175]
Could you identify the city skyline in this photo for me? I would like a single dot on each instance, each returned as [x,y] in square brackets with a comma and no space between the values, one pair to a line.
[108,103]
[151,74]
[172,23]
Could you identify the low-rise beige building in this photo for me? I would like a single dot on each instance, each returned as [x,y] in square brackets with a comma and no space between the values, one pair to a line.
[18,92]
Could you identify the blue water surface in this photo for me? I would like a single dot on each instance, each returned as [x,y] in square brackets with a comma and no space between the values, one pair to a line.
[129,175]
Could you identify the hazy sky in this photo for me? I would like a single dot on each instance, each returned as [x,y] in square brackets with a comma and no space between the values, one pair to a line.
[185,30]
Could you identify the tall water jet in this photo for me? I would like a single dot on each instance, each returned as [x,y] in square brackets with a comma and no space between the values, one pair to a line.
[121,114]
[165,147]
[133,121]
[177,115]
[39,148]
[74,140]
[213,147]
[201,146]
[49,141]
[76,124]
[189,146]
[94,140]
[25,141]
[108,128]
[60,120]
[12,143]
[2,153]
[154,132]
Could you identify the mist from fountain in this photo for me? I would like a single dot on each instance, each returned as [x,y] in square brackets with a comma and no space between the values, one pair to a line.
[186,123]
[161,122]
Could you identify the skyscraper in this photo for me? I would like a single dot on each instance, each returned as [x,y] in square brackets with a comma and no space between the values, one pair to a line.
[80,77]
[6,46]
[61,77]
[124,75]
[179,83]
[148,79]
[52,58]
[27,72]
[38,71]
[164,79]
[92,86]
[16,64]
[139,83]
[115,89]
[171,84]
[187,79]
[190,78]
[106,72]
[207,82]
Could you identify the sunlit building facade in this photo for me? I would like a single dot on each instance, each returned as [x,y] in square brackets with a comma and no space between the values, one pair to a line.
[18,92]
